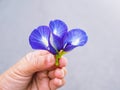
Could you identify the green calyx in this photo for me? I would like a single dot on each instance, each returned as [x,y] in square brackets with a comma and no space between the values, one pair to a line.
[58,56]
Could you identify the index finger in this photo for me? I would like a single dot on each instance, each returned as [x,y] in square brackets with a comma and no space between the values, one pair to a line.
[62,62]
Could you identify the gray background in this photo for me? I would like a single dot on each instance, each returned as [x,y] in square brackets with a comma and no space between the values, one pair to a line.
[96,66]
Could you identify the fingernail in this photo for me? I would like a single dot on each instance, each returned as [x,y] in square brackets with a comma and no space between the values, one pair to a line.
[60,73]
[58,81]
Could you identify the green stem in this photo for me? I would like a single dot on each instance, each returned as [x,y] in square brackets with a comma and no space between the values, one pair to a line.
[58,56]
[57,60]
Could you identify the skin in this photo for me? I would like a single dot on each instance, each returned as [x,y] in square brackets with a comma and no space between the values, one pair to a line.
[35,71]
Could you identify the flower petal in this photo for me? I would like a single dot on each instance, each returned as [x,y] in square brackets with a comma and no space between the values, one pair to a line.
[56,42]
[58,27]
[39,38]
[52,50]
[74,38]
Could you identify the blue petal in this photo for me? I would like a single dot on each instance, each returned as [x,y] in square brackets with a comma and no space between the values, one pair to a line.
[58,27]
[74,38]
[52,50]
[56,42]
[39,38]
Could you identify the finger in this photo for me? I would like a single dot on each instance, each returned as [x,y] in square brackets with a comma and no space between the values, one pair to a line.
[33,62]
[41,60]
[63,62]
[42,80]
[56,83]
[58,73]
[42,75]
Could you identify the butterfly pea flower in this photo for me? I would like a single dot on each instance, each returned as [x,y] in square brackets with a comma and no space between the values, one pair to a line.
[56,38]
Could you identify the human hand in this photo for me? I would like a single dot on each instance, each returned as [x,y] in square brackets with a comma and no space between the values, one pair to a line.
[35,71]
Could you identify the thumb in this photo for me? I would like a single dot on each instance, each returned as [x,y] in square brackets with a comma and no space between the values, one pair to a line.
[21,73]
[33,62]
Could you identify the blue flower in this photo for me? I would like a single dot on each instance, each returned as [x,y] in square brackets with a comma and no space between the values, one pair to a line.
[57,39]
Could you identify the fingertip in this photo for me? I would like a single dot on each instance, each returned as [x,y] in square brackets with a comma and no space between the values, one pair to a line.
[57,82]
[50,61]
[41,62]
[63,62]
[59,73]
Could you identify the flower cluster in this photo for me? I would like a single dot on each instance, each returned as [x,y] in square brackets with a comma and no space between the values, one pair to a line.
[57,39]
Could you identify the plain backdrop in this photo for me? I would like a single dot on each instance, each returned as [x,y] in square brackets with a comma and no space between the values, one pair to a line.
[96,66]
